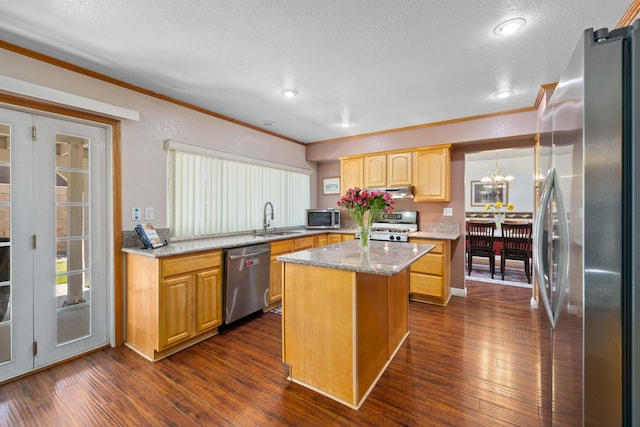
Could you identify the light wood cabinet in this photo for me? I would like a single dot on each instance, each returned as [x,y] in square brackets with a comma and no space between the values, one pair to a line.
[430,276]
[334,238]
[428,169]
[388,170]
[321,240]
[375,171]
[339,237]
[351,173]
[399,169]
[281,247]
[431,174]
[172,302]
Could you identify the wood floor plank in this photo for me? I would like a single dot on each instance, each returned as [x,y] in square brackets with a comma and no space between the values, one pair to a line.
[472,363]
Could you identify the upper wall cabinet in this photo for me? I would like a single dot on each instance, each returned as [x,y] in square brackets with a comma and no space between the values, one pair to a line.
[399,169]
[351,173]
[427,169]
[431,174]
[388,170]
[375,171]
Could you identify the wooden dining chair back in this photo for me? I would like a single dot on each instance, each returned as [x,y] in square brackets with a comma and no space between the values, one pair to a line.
[516,245]
[480,236]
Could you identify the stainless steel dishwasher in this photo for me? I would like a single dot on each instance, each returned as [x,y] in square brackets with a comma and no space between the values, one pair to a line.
[246,281]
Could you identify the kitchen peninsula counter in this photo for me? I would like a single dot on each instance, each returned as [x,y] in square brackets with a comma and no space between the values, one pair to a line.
[345,315]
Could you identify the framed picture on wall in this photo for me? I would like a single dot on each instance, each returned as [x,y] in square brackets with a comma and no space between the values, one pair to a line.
[482,194]
[331,186]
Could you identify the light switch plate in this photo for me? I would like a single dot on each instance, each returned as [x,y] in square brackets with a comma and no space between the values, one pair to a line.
[148,213]
[448,212]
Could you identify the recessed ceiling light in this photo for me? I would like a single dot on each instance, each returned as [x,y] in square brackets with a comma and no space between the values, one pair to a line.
[268,123]
[509,26]
[503,94]
[289,93]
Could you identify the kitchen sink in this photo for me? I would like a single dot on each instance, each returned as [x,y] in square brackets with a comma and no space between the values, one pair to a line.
[282,233]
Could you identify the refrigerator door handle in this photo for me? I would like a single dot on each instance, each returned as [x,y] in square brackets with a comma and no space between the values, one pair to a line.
[563,251]
[552,308]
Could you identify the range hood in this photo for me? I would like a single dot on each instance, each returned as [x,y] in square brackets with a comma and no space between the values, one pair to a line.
[397,192]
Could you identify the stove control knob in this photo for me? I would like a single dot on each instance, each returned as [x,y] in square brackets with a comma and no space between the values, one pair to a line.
[390,237]
[398,238]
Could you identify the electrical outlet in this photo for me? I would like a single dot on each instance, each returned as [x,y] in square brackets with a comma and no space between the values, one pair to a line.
[448,212]
[148,214]
[135,214]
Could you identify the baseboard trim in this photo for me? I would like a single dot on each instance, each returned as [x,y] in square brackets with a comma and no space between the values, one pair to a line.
[459,292]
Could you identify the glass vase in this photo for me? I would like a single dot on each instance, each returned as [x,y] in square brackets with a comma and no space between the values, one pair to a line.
[364,231]
[499,219]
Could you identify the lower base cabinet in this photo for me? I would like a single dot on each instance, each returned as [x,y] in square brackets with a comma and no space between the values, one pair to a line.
[339,237]
[172,302]
[276,272]
[431,275]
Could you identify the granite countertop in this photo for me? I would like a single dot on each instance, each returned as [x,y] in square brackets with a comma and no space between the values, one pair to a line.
[438,230]
[224,242]
[382,258]
[428,230]
[440,235]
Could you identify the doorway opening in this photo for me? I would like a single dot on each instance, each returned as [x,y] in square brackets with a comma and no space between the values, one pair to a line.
[499,188]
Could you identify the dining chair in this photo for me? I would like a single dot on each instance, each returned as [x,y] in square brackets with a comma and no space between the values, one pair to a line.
[480,236]
[516,245]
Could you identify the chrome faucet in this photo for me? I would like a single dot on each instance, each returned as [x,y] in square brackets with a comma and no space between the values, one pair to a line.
[267,218]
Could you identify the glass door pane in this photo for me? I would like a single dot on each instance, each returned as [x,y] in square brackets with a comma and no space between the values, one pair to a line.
[70,280]
[16,253]
[73,250]
[5,244]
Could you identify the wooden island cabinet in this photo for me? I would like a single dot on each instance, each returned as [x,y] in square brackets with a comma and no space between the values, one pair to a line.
[172,302]
[345,314]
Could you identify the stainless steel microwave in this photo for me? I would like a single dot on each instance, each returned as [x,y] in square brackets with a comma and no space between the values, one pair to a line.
[323,218]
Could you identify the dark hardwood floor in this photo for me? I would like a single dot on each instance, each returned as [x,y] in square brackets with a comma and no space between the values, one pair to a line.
[472,363]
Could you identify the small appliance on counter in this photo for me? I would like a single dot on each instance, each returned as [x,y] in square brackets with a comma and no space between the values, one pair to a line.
[394,227]
[323,218]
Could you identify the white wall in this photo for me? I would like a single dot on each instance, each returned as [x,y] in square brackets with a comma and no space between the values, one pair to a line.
[518,161]
[143,158]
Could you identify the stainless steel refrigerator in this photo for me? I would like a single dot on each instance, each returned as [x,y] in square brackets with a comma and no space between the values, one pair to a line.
[587,235]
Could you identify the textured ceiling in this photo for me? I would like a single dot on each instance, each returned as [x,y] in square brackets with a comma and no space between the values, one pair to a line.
[379,64]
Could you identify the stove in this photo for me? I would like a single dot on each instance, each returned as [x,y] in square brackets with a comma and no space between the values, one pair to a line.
[394,227]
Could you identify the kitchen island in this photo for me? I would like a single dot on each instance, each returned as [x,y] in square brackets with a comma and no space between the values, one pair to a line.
[345,315]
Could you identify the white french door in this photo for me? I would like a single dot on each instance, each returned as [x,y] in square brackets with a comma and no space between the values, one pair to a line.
[53,245]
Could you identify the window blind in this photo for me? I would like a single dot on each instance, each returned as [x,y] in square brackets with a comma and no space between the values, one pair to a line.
[210,195]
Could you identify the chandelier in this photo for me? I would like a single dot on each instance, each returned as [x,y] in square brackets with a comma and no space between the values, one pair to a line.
[494,183]
[496,177]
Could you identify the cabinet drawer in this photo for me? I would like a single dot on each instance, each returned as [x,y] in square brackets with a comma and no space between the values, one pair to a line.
[438,243]
[426,284]
[303,243]
[282,247]
[430,263]
[190,263]
[334,238]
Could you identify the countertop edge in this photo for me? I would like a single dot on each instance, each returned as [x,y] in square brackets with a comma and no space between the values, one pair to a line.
[373,261]
[219,243]
[226,242]
[435,235]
